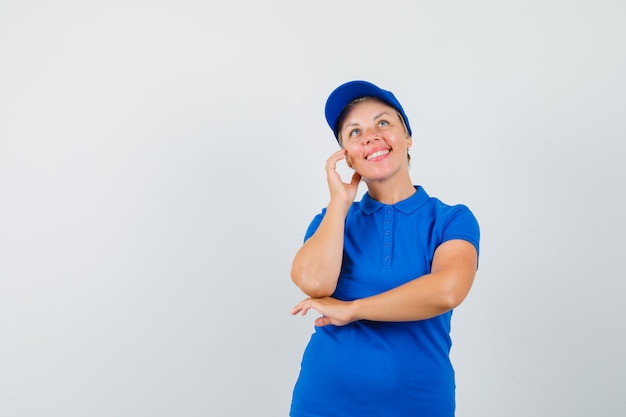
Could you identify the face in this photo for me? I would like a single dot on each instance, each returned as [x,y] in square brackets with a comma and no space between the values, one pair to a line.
[375,139]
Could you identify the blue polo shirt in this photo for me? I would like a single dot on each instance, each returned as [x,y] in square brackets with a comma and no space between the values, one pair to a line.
[376,369]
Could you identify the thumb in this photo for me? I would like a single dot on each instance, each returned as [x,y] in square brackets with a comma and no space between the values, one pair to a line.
[322,321]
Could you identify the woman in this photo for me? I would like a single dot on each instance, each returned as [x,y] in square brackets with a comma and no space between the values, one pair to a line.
[385,274]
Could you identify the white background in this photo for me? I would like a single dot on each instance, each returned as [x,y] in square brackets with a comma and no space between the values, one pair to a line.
[161,160]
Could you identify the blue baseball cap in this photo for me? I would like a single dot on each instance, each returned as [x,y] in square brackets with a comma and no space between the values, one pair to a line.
[352,90]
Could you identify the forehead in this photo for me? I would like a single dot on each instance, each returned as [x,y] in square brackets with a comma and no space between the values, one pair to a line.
[369,107]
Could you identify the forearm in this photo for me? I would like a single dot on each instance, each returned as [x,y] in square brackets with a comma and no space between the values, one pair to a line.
[452,276]
[420,299]
[316,266]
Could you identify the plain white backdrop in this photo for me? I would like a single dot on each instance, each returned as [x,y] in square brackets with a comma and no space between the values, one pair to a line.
[161,160]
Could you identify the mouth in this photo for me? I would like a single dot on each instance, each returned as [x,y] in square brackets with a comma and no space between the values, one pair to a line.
[377,154]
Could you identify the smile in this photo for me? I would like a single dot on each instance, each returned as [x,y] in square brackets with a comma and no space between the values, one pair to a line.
[377,154]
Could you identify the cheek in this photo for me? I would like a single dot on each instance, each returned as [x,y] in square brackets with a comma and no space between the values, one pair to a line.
[349,158]
[352,154]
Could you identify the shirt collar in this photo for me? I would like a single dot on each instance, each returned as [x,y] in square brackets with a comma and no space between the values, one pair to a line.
[406,206]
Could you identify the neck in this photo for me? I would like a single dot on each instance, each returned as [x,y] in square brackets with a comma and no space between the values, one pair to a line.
[391,193]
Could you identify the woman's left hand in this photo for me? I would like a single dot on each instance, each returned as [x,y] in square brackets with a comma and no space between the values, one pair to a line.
[333,311]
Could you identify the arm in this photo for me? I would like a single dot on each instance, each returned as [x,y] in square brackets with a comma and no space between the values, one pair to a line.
[316,266]
[453,270]
[452,274]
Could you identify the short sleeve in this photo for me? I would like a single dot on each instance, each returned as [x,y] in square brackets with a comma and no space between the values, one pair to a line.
[462,224]
[315,223]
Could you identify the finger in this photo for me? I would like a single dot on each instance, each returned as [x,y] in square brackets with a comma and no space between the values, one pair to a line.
[331,162]
[337,155]
[331,168]
[322,321]
[300,309]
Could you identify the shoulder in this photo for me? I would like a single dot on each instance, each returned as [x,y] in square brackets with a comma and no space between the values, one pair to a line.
[317,219]
[454,221]
[444,209]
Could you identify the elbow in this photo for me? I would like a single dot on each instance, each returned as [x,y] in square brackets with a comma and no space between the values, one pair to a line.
[450,301]
[451,298]
[317,292]
[453,288]
[312,285]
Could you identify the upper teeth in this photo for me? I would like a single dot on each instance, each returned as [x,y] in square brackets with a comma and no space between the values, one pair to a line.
[377,154]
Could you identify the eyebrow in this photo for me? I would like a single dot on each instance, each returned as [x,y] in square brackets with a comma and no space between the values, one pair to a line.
[373,118]
[380,115]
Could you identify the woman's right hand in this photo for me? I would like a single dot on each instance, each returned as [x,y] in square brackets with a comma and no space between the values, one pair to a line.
[339,190]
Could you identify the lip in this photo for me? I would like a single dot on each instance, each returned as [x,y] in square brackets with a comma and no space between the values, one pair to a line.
[376,150]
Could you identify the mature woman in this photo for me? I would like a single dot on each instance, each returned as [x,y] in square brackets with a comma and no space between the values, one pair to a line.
[385,274]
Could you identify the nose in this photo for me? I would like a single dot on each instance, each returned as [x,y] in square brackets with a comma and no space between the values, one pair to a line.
[370,135]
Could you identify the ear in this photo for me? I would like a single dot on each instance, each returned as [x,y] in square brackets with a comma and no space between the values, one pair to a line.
[409,141]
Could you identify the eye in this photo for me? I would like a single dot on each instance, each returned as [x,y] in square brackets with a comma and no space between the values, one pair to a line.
[383,123]
[354,132]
